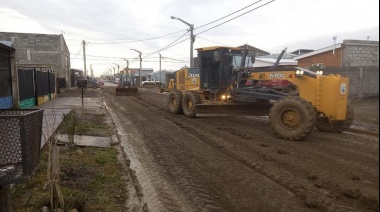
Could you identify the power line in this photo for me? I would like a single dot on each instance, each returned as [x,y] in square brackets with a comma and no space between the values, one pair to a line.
[235,17]
[213,41]
[228,14]
[174,44]
[133,41]
[166,47]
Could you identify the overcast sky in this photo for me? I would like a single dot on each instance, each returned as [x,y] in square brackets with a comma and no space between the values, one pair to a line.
[112,28]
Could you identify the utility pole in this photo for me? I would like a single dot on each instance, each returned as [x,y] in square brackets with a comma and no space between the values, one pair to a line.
[334,38]
[160,70]
[92,71]
[113,72]
[118,68]
[84,57]
[160,61]
[140,65]
[192,39]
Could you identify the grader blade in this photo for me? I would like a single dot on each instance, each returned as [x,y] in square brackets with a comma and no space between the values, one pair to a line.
[234,109]
[126,91]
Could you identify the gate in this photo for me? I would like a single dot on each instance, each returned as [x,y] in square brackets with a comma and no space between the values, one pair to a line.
[6,100]
[26,88]
[35,87]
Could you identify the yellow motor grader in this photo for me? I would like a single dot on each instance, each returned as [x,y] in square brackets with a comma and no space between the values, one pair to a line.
[218,86]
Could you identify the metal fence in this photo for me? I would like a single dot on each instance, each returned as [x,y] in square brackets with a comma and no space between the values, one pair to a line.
[20,143]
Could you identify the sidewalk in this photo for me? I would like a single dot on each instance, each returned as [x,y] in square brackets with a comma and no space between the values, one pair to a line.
[54,110]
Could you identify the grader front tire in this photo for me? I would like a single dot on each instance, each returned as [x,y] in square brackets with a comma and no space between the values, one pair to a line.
[189,103]
[292,118]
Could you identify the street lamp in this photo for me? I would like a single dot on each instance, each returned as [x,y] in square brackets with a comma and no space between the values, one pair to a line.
[113,72]
[118,67]
[127,62]
[140,65]
[191,38]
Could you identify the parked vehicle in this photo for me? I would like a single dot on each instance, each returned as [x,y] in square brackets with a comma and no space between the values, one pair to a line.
[93,84]
[150,82]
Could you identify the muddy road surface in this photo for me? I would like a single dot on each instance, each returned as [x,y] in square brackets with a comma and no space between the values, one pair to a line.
[223,163]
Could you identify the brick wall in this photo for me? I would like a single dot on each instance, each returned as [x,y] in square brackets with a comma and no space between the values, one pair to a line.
[326,58]
[40,49]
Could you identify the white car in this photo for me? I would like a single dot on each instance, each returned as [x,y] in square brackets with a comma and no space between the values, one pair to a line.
[150,82]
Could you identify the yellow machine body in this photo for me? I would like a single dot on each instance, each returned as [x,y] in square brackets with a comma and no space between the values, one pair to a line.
[217,86]
[328,94]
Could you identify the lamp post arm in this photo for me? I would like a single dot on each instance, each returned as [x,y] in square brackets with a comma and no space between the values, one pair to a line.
[190,25]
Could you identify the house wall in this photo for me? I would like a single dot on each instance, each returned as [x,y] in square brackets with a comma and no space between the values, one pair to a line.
[360,53]
[41,49]
[328,59]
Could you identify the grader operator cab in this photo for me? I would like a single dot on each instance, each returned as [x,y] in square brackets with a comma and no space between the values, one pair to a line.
[127,85]
[217,86]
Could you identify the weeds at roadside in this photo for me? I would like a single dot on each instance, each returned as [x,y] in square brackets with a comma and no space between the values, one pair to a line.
[90,178]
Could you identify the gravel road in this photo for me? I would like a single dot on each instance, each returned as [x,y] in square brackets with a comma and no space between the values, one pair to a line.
[226,163]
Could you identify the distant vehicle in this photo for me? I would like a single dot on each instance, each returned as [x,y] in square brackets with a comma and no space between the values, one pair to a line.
[93,84]
[101,82]
[150,82]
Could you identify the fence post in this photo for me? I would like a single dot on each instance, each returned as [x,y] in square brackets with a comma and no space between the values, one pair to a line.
[5,198]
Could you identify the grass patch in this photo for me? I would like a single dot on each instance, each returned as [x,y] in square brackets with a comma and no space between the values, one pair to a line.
[91,124]
[90,181]
[91,178]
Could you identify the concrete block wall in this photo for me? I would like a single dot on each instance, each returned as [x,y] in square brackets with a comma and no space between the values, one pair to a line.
[39,49]
[363,81]
[360,53]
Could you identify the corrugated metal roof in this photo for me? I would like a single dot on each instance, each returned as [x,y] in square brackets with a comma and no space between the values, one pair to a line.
[319,51]
[216,47]
[6,45]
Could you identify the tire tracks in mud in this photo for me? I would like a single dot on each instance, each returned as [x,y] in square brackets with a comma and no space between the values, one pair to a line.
[335,190]
[164,194]
[250,149]
[326,182]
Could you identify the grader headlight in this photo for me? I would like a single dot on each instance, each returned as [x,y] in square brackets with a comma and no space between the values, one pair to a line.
[319,72]
[299,72]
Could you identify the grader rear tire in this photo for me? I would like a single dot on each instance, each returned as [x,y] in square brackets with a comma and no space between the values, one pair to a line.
[189,103]
[292,118]
[324,125]
[175,102]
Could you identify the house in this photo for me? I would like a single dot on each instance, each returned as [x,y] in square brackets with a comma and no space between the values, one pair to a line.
[163,76]
[302,51]
[40,51]
[144,73]
[269,62]
[253,50]
[349,53]
[356,59]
